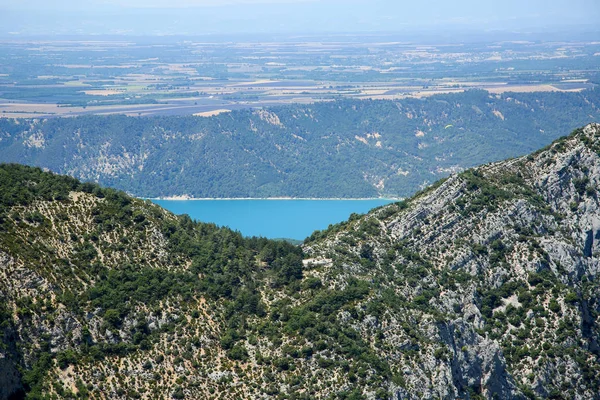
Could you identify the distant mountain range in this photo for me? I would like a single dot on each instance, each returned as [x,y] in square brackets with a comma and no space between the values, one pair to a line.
[482,286]
[343,148]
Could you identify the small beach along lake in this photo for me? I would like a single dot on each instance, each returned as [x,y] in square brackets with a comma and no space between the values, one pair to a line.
[289,219]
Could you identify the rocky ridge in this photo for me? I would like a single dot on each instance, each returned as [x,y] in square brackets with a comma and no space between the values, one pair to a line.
[496,268]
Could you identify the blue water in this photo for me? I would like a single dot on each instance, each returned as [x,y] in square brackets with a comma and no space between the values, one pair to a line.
[291,219]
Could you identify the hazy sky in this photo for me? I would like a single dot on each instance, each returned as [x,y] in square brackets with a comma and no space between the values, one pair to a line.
[274,16]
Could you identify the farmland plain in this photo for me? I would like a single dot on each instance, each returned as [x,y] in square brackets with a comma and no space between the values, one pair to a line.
[185,76]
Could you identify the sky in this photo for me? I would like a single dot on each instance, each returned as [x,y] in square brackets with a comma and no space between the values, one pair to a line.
[201,17]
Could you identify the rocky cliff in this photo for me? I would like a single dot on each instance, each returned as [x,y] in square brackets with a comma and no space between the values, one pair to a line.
[484,285]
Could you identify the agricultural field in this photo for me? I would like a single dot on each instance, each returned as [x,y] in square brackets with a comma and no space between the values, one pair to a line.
[183,76]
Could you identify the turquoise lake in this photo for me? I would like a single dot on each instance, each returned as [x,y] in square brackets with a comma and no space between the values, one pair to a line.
[290,219]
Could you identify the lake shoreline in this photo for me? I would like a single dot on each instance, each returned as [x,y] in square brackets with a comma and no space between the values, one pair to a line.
[272,218]
[186,198]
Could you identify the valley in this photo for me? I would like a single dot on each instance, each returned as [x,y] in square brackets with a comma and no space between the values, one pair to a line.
[299,200]
[482,285]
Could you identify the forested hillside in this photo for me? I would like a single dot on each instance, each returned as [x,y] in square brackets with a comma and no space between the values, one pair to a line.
[344,148]
[484,285]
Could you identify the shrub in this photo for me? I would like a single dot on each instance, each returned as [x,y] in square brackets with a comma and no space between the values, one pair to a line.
[571,297]
[238,352]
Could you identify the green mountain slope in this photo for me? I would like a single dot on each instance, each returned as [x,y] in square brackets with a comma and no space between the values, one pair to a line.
[329,149]
[483,286]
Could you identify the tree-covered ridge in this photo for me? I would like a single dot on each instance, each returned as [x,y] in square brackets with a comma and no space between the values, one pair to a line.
[345,148]
[92,277]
